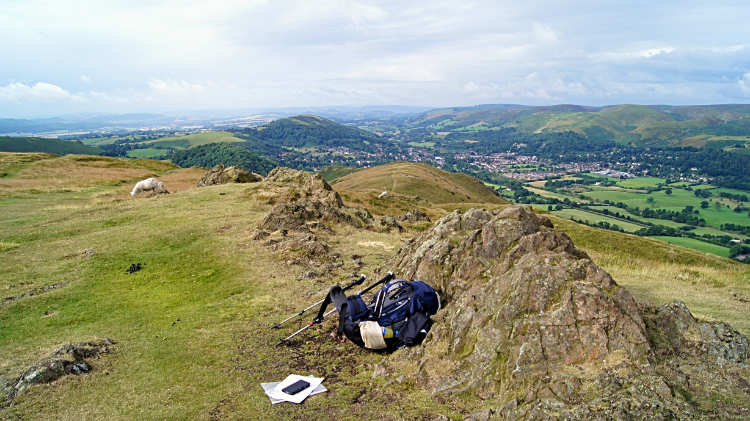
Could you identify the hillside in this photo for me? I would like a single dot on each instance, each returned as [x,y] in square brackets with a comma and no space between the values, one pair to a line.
[191,327]
[27,175]
[306,131]
[411,179]
[213,154]
[55,146]
[637,125]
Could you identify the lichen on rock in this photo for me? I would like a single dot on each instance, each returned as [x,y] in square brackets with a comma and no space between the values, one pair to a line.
[521,298]
[532,326]
[67,359]
[221,174]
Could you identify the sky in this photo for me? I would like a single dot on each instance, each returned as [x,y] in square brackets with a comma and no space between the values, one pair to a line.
[110,56]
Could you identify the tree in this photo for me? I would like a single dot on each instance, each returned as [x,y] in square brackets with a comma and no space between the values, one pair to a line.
[704,205]
[717,205]
[668,191]
[650,199]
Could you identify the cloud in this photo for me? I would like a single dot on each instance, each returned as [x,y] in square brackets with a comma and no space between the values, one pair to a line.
[362,14]
[744,84]
[175,87]
[39,93]
[85,79]
[545,33]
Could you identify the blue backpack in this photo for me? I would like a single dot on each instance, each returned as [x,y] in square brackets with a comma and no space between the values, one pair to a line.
[402,306]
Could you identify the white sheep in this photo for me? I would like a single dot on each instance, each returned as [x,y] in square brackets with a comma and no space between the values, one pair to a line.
[148,185]
[383,195]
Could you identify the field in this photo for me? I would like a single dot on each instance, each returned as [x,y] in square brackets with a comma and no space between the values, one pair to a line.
[696,245]
[632,192]
[594,218]
[196,139]
[146,153]
[640,183]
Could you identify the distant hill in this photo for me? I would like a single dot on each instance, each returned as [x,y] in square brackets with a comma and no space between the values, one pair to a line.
[712,126]
[55,146]
[305,131]
[412,179]
[214,154]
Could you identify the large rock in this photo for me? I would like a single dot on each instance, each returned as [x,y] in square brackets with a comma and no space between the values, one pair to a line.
[303,185]
[672,329]
[414,216]
[68,359]
[521,300]
[306,200]
[221,174]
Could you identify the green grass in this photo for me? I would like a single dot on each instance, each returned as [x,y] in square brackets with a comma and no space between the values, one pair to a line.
[640,183]
[594,218]
[56,146]
[332,172]
[422,144]
[146,153]
[200,266]
[678,198]
[195,139]
[696,245]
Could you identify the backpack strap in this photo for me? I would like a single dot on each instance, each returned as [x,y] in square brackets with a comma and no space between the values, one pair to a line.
[384,297]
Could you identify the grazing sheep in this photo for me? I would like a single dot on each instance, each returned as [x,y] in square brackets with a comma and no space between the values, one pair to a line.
[384,194]
[148,185]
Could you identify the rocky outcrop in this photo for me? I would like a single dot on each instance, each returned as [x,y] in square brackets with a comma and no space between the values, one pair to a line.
[68,359]
[533,327]
[673,330]
[306,200]
[221,174]
[414,216]
[522,299]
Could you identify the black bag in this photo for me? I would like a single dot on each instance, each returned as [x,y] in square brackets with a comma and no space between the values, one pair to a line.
[401,309]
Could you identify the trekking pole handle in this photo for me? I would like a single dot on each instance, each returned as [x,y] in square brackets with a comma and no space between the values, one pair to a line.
[356,282]
[385,279]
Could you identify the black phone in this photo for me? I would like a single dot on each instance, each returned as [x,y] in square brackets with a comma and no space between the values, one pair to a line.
[296,387]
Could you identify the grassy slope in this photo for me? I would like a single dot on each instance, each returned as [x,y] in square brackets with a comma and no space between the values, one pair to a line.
[332,173]
[196,139]
[201,266]
[72,173]
[657,272]
[696,245]
[410,179]
[34,144]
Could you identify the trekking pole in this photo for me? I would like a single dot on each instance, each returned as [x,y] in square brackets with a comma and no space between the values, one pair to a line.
[353,284]
[317,320]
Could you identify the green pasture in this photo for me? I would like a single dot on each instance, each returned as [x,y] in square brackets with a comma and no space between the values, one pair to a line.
[715,217]
[546,193]
[641,183]
[147,153]
[422,144]
[678,197]
[594,218]
[696,245]
[196,139]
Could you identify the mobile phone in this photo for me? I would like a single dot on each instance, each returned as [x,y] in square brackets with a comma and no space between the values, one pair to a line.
[296,387]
